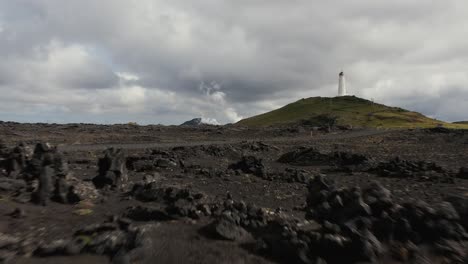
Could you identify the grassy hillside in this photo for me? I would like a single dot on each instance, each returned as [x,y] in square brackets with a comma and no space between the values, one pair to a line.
[461,122]
[349,110]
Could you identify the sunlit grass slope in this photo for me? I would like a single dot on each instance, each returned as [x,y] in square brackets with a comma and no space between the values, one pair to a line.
[349,110]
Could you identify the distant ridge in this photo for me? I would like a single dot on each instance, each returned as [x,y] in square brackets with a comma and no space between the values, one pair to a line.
[461,122]
[345,110]
[200,122]
[193,122]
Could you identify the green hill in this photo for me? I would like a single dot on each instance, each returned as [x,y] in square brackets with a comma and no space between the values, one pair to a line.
[461,122]
[346,110]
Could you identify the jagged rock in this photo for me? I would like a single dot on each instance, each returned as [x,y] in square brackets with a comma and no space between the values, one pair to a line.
[311,156]
[460,203]
[179,202]
[165,163]
[337,206]
[426,171]
[15,161]
[245,215]
[11,185]
[406,252]
[80,191]
[441,130]
[58,247]
[445,210]
[9,247]
[304,157]
[318,188]
[378,198]
[45,155]
[113,239]
[47,175]
[454,251]
[43,193]
[143,165]
[250,164]
[107,243]
[61,190]
[258,146]
[112,169]
[463,173]
[49,167]
[18,213]
[229,230]
[295,175]
[4,151]
[8,242]
[148,192]
[366,218]
[235,220]
[6,256]
[421,221]
[347,159]
[146,213]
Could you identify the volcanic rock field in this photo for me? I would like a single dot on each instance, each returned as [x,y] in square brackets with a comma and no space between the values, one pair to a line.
[84,193]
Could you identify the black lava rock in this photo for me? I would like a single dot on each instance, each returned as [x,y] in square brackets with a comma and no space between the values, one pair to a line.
[112,169]
[250,164]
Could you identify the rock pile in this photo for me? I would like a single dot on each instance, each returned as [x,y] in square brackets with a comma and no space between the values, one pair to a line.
[426,171]
[311,156]
[152,161]
[50,169]
[296,175]
[219,151]
[236,220]
[42,176]
[363,220]
[14,161]
[460,203]
[354,225]
[118,239]
[258,146]
[304,157]
[176,202]
[395,168]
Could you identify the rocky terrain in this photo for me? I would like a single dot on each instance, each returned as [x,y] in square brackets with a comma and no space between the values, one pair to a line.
[144,194]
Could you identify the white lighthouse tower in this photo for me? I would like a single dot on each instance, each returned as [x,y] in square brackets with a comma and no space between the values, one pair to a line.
[341,85]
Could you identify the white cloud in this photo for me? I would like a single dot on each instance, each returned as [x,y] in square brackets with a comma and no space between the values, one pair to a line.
[145,61]
[209,121]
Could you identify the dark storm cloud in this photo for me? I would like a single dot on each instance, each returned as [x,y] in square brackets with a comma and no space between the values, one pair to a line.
[151,58]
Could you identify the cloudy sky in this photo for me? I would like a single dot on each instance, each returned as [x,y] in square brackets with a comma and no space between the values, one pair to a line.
[155,61]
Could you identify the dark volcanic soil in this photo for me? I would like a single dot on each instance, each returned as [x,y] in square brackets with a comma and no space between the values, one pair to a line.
[231,195]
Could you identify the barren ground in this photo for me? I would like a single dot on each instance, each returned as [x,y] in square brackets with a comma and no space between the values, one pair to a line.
[199,161]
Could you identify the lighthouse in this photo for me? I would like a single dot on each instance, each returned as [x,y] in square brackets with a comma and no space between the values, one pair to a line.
[341,84]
